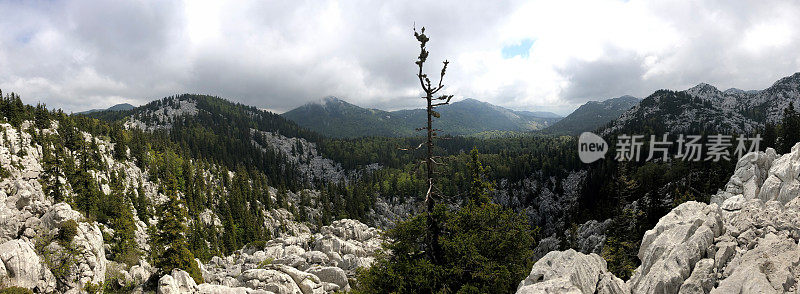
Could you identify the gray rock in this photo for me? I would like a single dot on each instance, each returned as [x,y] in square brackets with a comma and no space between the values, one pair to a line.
[565,271]
[22,265]
[183,280]
[270,280]
[168,285]
[332,275]
[58,214]
[768,268]
[733,203]
[702,279]
[560,285]
[610,284]
[220,289]
[678,241]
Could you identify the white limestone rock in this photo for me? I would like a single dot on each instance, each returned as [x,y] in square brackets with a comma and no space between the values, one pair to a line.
[678,241]
[184,281]
[701,280]
[22,266]
[58,214]
[269,280]
[610,284]
[565,272]
[168,285]
[770,267]
[329,274]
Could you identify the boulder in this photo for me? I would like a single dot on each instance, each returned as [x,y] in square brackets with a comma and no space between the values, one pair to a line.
[329,274]
[10,223]
[269,280]
[702,279]
[768,268]
[168,285]
[678,241]
[22,265]
[564,272]
[184,281]
[58,214]
[220,289]
[610,284]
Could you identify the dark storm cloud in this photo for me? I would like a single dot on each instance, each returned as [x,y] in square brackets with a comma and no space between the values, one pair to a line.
[617,72]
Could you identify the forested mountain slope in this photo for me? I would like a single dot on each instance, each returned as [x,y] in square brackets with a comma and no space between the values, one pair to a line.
[253,188]
[336,118]
[92,206]
[592,115]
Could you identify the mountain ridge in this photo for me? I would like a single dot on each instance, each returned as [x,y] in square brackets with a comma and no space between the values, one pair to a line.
[116,107]
[334,117]
[704,108]
[593,115]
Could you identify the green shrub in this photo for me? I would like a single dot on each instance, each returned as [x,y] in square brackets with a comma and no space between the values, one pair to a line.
[67,231]
[115,282]
[15,290]
[258,245]
[4,173]
[266,262]
[93,288]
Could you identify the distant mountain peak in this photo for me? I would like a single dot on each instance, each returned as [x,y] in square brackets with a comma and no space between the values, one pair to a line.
[472,100]
[118,107]
[593,115]
[733,91]
[703,87]
[332,99]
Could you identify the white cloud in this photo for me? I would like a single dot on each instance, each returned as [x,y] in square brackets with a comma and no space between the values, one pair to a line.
[279,55]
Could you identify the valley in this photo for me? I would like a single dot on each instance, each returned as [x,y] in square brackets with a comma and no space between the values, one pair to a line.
[250,201]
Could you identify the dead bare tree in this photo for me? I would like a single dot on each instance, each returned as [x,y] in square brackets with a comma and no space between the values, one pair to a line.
[430,160]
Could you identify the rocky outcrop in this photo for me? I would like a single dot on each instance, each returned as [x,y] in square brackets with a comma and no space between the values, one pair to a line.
[745,241]
[298,260]
[22,267]
[571,272]
[309,263]
[669,251]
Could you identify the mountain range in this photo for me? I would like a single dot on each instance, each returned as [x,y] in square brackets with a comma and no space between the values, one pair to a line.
[592,115]
[704,108]
[266,204]
[337,118]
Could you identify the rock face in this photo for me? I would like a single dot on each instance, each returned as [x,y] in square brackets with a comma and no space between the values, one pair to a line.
[571,272]
[22,265]
[745,241]
[678,241]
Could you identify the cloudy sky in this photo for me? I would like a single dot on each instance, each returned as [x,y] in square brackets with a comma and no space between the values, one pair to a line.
[531,55]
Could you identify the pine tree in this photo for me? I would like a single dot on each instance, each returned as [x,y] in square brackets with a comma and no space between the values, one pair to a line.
[486,248]
[42,116]
[770,137]
[790,129]
[171,238]
[52,161]
[479,187]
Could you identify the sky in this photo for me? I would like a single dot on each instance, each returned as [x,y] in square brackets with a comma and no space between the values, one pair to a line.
[277,55]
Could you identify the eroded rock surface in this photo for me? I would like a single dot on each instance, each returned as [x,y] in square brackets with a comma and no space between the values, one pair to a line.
[745,241]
